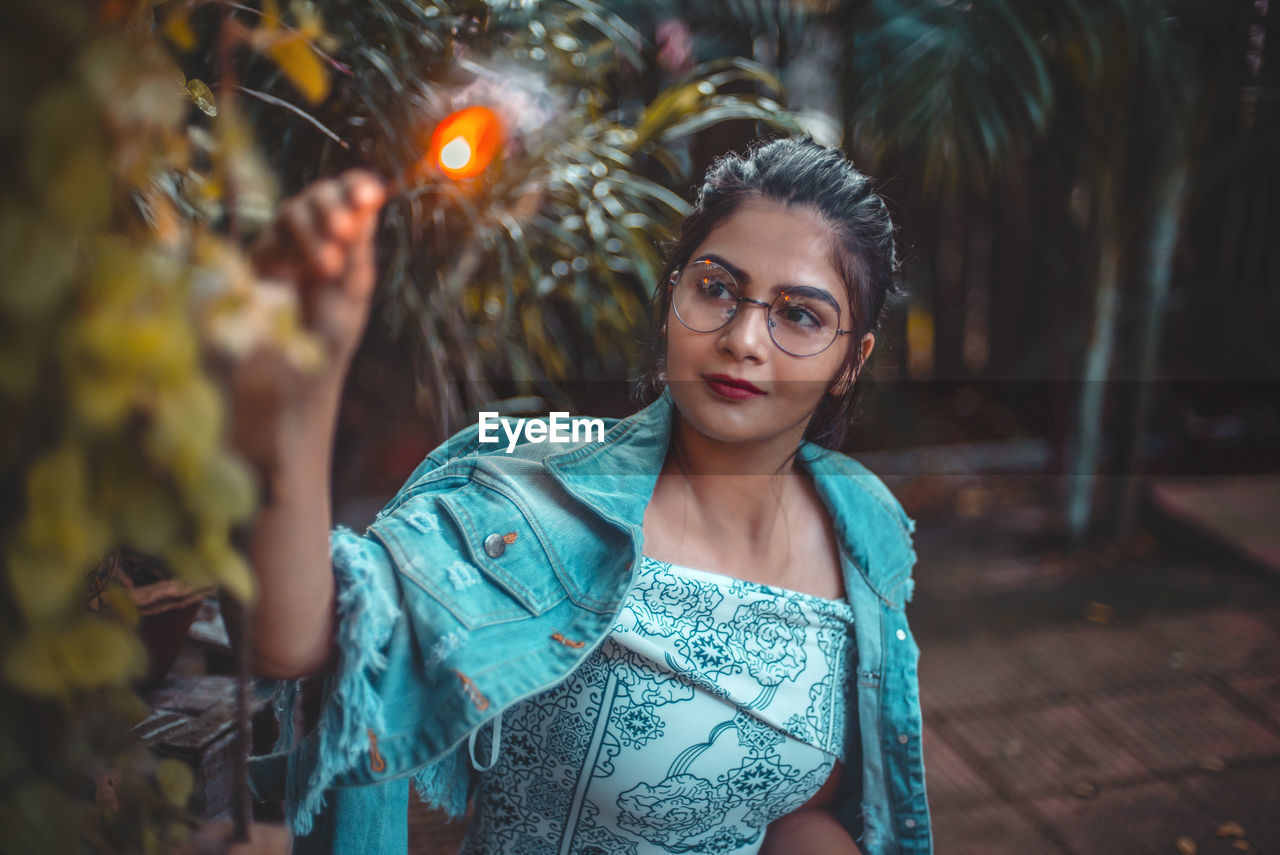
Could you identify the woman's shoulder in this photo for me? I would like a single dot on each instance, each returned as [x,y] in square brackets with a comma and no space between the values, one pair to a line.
[871,521]
[845,477]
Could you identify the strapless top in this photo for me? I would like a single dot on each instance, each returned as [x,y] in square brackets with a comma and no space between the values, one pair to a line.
[715,706]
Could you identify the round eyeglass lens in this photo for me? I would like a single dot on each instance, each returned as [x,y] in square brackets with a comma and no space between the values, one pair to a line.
[706,296]
[802,321]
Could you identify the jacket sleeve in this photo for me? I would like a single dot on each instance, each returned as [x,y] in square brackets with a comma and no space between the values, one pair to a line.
[376,652]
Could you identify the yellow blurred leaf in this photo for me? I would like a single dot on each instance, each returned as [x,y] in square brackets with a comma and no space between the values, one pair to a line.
[43,585]
[118,598]
[300,64]
[233,574]
[186,426]
[187,565]
[147,514]
[224,490]
[99,652]
[1230,829]
[100,402]
[66,155]
[1186,846]
[159,345]
[59,473]
[177,27]
[213,561]
[175,781]
[31,665]
[40,260]
[200,94]
[55,125]
[68,534]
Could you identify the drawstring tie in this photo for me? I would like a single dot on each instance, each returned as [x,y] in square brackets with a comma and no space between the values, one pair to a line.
[494,743]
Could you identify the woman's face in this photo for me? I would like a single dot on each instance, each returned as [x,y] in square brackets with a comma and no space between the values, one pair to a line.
[766,245]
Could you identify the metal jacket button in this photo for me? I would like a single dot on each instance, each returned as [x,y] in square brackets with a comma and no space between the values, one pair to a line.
[494,545]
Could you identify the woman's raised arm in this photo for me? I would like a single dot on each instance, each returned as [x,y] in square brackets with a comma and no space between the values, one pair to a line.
[321,244]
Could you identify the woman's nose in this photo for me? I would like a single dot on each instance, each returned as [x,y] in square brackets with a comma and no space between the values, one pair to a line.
[747,333]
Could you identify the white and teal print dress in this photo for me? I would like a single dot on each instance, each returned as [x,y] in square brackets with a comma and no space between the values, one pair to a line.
[715,706]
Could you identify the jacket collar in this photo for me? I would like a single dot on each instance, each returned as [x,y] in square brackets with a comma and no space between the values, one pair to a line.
[616,476]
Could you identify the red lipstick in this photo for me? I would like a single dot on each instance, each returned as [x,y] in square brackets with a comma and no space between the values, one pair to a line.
[733,388]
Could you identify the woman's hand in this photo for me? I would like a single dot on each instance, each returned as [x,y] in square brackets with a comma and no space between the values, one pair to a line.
[320,245]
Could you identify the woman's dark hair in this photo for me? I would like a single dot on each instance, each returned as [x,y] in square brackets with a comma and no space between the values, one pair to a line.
[794,171]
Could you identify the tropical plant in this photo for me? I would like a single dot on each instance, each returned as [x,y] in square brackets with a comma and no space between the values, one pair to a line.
[536,274]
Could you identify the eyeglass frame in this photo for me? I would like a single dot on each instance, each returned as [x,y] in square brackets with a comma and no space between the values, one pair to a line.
[674,281]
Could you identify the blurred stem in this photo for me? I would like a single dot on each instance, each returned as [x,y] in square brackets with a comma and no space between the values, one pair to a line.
[293,108]
[1083,467]
[1161,244]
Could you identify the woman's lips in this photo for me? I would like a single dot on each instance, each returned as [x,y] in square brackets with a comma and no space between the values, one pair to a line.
[731,387]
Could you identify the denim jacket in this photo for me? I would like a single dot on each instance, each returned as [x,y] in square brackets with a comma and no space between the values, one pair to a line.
[492,575]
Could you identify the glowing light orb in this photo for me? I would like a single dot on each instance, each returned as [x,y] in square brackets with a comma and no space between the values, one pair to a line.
[456,154]
[464,143]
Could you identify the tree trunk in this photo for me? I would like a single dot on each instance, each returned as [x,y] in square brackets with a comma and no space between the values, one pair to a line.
[1083,457]
[1161,243]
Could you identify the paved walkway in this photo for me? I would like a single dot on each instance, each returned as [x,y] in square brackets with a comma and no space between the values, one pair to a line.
[1097,702]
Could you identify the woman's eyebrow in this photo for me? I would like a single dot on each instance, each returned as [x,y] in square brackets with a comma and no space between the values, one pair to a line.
[745,278]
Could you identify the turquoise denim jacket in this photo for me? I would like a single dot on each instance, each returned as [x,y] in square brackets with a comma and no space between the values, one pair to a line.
[492,575]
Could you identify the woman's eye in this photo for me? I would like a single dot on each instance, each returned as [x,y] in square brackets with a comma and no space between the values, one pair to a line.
[713,287]
[799,315]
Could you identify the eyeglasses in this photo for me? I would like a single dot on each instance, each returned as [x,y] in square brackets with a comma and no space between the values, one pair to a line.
[802,321]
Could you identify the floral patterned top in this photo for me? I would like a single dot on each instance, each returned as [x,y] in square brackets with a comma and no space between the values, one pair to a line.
[714,707]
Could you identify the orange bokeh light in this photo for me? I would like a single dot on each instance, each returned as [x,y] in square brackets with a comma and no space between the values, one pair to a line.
[465,142]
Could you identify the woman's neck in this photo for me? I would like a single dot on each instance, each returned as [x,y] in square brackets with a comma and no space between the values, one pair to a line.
[733,490]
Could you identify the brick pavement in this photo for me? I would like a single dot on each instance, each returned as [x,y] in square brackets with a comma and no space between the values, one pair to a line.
[1122,739]
[1156,730]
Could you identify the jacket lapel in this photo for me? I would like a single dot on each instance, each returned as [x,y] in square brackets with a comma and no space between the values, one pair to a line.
[616,477]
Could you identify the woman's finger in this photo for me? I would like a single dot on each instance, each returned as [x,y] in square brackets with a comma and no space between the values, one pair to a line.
[330,210]
[319,255]
[363,189]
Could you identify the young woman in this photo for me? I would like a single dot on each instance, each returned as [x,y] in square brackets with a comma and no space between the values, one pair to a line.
[686,637]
